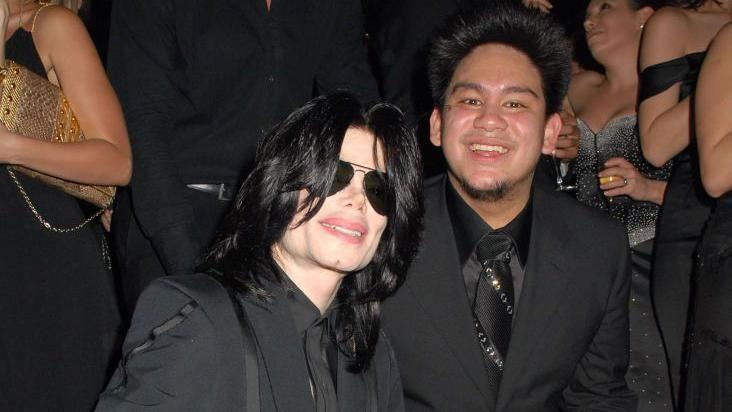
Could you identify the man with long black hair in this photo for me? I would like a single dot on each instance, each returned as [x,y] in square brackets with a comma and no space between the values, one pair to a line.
[518,297]
[321,231]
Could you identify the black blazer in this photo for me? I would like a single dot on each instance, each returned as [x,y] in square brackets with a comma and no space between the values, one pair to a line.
[569,346]
[200,81]
[198,364]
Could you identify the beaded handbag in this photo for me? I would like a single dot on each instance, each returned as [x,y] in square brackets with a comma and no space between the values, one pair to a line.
[32,106]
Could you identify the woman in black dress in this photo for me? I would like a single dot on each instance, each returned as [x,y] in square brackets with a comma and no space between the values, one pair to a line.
[709,381]
[674,43]
[59,319]
[613,176]
[321,231]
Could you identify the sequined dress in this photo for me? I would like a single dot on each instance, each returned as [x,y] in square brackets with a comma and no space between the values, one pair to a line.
[59,321]
[619,138]
[647,373]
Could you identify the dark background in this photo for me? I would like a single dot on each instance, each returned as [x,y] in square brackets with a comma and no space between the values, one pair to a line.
[95,14]
[569,13]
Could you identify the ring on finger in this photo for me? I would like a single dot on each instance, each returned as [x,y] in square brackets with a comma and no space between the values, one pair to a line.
[607,179]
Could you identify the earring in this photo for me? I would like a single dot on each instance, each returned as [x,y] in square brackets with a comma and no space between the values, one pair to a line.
[642,26]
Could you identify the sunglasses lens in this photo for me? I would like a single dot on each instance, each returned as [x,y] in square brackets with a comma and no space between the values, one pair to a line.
[374,184]
[343,176]
[375,188]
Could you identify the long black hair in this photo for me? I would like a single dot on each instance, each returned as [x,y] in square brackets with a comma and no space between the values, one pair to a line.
[302,152]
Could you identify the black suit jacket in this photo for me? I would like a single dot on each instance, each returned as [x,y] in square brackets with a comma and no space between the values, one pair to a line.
[569,345]
[198,364]
[200,81]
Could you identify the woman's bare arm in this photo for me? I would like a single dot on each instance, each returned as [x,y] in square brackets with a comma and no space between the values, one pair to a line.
[713,115]
[4,13]
[663,120]
[104,157]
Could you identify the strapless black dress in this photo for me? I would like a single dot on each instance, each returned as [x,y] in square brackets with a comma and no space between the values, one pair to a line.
[59,321]
[682,219]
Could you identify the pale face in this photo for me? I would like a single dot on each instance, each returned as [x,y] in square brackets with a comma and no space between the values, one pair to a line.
[611,25]
[493,126]
[343,236]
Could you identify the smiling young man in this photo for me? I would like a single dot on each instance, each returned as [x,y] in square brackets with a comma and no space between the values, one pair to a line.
[518,298]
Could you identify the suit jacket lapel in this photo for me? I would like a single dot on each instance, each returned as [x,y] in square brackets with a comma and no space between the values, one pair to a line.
[282,353]
[545,285]
[438,275]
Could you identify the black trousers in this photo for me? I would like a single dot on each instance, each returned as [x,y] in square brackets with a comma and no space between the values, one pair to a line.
[136,260]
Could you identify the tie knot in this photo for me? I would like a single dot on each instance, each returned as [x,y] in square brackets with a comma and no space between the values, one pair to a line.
[494,246]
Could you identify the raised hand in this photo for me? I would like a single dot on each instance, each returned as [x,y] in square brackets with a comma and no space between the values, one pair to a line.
[620,177]
[569,135]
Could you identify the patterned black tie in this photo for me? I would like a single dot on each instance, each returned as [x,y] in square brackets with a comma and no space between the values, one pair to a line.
[493,306]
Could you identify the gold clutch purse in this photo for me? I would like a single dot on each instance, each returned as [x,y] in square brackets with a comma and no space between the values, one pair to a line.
[32,106]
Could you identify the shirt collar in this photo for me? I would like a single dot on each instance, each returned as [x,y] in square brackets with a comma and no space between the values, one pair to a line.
[469,227]
[304,311]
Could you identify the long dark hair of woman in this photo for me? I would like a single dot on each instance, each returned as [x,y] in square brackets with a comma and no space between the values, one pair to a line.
[302,152]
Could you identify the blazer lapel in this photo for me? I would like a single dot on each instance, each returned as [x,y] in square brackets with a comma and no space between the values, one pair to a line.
[544,288]
[439,289]
[282,353]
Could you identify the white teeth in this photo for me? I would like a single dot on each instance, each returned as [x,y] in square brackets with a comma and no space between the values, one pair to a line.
[487,148]
[354,233]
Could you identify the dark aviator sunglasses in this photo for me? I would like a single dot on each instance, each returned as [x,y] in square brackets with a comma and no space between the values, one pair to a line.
[374,184]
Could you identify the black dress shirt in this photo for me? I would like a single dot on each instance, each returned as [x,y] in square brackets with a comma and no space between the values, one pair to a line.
[469,228]
[320,350]
[200,81]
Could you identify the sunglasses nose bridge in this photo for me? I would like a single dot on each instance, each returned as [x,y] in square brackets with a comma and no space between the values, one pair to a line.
[363,175]
[356,189]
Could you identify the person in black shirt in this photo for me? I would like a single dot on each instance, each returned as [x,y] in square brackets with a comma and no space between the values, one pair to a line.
[200,81]
[315,240]
[518,297]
